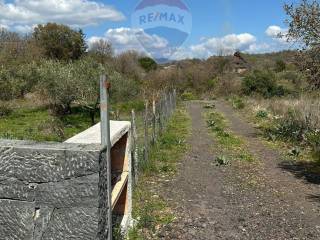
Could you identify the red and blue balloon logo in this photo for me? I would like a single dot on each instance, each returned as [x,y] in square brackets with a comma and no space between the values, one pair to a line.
[162,26]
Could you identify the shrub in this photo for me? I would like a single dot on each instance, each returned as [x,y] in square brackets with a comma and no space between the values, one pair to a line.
[262,82]
[148,64]
[228,84]
[58,85]
[5,109]
[188,96]
[313,139]
[262,114]
[15,83]
[237,103]
[211,84]
[280,66]
[8,90]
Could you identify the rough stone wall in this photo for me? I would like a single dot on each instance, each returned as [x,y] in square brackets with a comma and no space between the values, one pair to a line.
[49,191]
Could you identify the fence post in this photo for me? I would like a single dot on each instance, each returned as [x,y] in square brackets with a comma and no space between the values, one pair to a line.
[160,116]
[146,133]
[165,107]
[105,164]
[117,115]
[175,98]
[135,146]
[154,135]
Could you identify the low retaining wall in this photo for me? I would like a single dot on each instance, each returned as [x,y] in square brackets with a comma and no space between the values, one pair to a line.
[51,191]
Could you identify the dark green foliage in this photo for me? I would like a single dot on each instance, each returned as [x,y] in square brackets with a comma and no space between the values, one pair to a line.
[60,42]
[222,161]
[148,64]
[280,65]
[188,96]
[313,139]
[262,114]
[262,83]
[5,110]
[289,128]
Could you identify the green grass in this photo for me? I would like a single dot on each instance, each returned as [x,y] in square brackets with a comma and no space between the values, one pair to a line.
[230,143]
[38,125]
[150,209]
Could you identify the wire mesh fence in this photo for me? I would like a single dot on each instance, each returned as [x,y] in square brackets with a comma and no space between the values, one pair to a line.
[149,126]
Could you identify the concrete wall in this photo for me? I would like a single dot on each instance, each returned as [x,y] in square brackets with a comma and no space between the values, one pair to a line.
[51,191]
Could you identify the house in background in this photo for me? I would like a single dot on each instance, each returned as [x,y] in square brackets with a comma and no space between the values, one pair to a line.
[240,65]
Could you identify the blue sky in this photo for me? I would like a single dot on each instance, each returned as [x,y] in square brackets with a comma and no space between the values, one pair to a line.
[247,25]
[214,17]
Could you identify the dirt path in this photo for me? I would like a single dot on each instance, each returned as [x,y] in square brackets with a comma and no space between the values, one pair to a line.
[211,204]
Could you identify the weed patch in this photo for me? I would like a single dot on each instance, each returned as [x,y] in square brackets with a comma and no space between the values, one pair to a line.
[228,141]
[149,209]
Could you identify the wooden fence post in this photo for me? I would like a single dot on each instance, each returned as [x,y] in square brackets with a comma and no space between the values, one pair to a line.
[160,116]
[117,115]
[166,106]
[135,146]
[105,167]
[146,133]
[175,98]
[154,121]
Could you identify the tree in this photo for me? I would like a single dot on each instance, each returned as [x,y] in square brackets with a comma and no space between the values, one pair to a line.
[60,42]
[58,86]
[102,47]
[304,26]
[148,64]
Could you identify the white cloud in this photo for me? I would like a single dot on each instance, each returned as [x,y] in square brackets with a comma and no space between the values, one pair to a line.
[77,13]
[123,39]
[277,33]
[259,48]
[214,46]
[274,31]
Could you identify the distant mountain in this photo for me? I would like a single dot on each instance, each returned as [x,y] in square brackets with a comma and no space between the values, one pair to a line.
[163,60]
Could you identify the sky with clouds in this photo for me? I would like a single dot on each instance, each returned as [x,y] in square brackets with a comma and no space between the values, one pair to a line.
[250,26]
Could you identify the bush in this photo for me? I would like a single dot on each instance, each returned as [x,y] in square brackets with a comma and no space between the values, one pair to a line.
[263,83]
[188,96]
[280,66]
[8,90]
[313,139]
[237,103]
[15,83]
[262,114]
[148,64]
[290,127]
[5,110]
[58,85]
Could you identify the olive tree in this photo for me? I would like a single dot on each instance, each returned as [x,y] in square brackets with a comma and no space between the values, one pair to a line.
[58,85]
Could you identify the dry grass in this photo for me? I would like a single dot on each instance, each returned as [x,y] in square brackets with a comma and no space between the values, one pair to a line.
[306,109]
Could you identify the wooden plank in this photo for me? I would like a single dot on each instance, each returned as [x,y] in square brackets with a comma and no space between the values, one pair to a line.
[118,188]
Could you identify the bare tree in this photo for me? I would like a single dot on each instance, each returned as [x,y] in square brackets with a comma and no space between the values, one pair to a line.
[102,47]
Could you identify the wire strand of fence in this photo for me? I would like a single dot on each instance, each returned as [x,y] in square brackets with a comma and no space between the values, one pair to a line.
[154,123]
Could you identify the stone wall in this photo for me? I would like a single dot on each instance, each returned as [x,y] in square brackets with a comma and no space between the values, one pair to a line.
[51,191]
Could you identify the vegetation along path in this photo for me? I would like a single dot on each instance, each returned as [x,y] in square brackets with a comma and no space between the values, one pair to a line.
[236,197]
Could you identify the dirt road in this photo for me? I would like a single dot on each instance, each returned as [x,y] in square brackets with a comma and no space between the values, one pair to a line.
[213,202]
